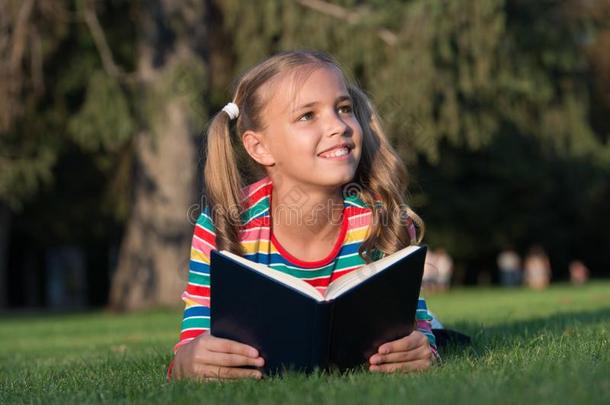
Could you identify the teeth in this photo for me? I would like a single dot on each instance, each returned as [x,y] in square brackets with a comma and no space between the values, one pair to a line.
[337,153]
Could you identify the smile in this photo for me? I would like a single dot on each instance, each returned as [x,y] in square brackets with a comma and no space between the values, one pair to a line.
[336,154]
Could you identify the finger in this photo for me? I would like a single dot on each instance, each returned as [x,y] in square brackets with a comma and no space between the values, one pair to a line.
[406,367]
[221,345]
[415,339]
[230,373]
[229,359]
[420,353]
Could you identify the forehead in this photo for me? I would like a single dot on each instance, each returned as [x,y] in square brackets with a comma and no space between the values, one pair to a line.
[303,85]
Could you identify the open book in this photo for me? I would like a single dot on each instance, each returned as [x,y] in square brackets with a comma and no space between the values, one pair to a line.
[294,327]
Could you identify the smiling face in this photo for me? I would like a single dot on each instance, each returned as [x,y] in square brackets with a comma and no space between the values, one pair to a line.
[311,136]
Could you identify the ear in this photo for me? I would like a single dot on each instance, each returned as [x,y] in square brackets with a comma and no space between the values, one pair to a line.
[256,148]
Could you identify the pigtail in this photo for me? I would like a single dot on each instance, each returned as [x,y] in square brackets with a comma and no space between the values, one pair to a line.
[223,184]
[383,177]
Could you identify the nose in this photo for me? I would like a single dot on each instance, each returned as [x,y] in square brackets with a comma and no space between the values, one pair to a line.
[336,125]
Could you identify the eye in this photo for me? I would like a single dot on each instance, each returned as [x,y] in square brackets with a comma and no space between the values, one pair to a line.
[307,114]
[347,108]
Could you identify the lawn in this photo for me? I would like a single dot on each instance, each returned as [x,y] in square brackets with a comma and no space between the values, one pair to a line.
[528,346]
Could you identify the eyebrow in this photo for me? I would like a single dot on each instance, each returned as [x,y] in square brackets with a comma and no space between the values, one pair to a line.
[339,99]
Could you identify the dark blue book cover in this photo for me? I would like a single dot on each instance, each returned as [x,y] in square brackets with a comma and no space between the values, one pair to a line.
[295,329]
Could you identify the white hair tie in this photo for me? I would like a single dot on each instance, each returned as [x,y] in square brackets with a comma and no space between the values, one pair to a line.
[232,110]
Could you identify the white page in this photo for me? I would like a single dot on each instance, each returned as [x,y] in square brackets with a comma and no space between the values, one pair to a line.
[337,287]
[283,278]
[352,279]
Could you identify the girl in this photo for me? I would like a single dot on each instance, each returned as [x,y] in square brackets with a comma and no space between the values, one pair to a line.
[329,199]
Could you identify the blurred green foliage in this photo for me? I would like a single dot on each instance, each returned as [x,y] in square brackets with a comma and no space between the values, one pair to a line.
[493,104]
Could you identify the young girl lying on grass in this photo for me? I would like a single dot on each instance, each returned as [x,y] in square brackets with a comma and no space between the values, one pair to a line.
[329,199]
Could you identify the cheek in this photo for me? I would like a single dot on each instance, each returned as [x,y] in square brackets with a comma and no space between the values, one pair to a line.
[357,129]
[304,141]
[295,148]
[357,138]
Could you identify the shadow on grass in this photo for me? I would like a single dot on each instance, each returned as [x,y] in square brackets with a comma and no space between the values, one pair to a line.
[510,334]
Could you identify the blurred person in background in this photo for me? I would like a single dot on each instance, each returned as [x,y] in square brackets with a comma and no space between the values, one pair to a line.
[537,269]
[509,264]
[430,279]
[579,273]
[444,267]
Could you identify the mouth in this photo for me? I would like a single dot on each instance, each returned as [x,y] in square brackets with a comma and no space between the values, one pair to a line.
[337,153]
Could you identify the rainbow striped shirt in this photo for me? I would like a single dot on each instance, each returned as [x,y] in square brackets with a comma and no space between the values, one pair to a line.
[260,246]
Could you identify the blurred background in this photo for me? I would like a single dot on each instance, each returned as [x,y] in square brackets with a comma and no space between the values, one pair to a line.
[500,108]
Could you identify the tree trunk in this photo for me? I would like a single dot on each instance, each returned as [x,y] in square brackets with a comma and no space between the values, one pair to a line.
[154,253]
[5,226]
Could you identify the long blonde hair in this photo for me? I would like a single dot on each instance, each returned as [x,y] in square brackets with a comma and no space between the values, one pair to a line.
[380,180]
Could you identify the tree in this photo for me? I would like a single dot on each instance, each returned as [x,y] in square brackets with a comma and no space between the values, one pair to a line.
[129,96]
[170,78]
[26,155]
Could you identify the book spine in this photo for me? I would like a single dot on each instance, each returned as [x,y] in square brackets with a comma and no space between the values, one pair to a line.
[321,333]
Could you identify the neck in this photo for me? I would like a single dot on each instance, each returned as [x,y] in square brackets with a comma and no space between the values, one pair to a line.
[305,212]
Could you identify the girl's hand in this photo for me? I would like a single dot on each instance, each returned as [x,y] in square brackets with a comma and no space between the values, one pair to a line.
[411,353]
[210,358]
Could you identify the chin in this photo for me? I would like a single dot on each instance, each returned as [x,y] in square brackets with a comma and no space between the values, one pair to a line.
[338,179]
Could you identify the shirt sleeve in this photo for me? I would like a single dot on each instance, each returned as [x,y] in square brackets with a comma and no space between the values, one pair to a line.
[196,296]
[423,320]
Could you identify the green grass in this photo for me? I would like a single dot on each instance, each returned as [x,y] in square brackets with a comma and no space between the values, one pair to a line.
[529,346]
